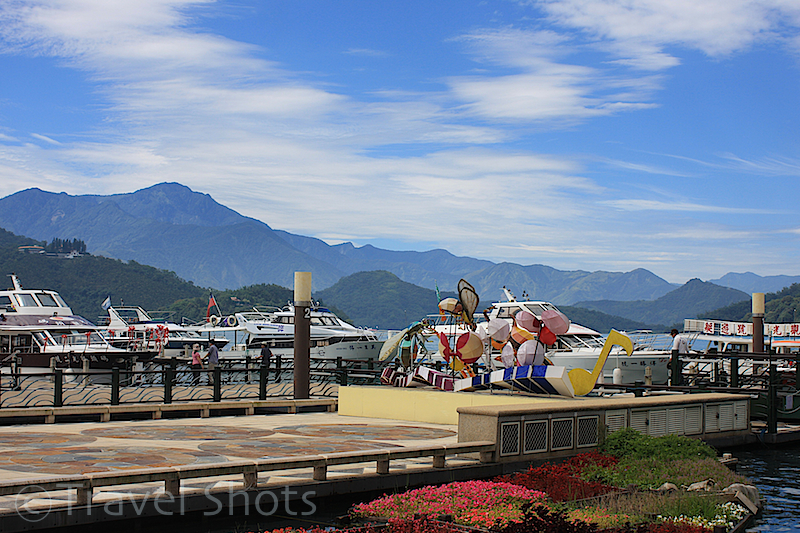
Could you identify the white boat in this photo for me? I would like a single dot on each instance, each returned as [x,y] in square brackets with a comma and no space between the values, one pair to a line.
[132,326]
[331,336]
[579,347]
[39,332]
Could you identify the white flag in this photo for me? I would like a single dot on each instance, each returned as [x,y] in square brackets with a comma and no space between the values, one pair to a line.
[106,303]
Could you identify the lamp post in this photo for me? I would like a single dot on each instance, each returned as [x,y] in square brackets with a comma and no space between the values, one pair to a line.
[302,334]
[758,322]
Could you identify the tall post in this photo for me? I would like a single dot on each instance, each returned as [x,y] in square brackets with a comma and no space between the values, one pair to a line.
[302,335]
[758,322]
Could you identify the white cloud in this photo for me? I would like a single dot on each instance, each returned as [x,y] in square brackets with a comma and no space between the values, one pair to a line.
[547,89]
[639,30]
[45,139]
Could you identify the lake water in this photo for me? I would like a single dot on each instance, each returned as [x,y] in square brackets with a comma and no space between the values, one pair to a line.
[776,473]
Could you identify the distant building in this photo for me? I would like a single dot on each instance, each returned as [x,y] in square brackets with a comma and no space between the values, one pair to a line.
[32,249]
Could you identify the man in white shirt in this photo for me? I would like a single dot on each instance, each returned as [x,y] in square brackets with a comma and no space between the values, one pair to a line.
[679,342]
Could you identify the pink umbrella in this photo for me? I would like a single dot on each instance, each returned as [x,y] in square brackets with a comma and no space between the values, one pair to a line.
[556,321]
[508,356]
[527,320]
[498,329]
[531,353]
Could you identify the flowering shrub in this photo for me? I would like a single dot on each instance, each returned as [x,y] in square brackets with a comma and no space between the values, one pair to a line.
[728,514]
[662,527]
[541,519]
[472,503]
[601,516]
[562,482]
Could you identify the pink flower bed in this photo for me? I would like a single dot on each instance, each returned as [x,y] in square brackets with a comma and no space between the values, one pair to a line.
[472,503]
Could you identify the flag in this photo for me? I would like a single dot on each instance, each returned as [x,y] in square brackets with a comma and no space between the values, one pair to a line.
[106,303]
[211,303]
[438,297]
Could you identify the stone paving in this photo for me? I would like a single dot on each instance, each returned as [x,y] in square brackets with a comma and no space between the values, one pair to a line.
[38,452]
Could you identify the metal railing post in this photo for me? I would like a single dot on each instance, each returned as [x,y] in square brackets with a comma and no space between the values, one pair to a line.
[735,372]
[675,366]
[772,397]
[58,388]
[278,368]
[343,376]
[262,382]
[115,385]
[217,374]
[169,375]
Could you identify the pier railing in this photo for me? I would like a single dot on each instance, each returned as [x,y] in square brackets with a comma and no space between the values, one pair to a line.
[172,381]
[85,484]
[770,379]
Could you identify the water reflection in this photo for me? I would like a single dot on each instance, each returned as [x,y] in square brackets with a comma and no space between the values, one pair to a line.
[776,473]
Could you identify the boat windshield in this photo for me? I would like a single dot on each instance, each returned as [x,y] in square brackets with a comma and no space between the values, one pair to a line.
[26,300]
[80,337]
[582,341]
[47,300]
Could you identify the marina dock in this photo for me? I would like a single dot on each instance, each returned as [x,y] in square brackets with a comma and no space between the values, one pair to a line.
[62,473]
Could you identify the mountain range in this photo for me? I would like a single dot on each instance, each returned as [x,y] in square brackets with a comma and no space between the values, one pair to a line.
[171,227]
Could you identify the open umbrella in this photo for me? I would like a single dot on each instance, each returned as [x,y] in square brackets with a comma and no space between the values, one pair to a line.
[531,353]
[469,300]
[469,347]
[556,321]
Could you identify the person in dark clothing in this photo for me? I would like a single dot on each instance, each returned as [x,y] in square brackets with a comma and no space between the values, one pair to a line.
[266,357]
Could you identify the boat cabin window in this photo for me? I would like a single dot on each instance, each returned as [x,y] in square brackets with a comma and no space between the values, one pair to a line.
[26,300]
[507,312]
[284,319]
[5,303]
[46,300]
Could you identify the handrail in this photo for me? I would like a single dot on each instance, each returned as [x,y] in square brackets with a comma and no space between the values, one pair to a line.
[85,484]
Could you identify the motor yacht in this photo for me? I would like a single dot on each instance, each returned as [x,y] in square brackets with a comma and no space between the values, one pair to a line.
[132,326]
[39,332]
[331,336]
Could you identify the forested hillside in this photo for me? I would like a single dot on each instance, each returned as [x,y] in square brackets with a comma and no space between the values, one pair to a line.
[780,307]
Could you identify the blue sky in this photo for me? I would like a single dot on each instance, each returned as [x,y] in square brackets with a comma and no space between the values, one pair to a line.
[580,134]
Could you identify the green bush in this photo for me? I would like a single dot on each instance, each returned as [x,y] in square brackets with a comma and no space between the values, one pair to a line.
[630,444]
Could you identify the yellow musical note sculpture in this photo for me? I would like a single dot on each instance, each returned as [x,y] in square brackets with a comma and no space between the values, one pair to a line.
[582,381]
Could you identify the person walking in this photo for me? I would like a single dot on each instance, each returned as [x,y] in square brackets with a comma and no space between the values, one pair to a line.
[197,364]
[212,359]
[266,357]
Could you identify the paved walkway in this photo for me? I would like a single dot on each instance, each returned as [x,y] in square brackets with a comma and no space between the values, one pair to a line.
[34,453]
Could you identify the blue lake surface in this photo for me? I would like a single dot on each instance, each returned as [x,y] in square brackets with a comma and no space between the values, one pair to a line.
[776,473]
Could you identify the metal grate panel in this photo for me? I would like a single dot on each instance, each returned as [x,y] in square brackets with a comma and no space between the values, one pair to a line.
[726,416]
[639,421]
[562,433]
[535,436]
[658,422]
[742,421]
[509,438]
[588,431]
[676,421]
[616,420]
[694,420]
[712,418]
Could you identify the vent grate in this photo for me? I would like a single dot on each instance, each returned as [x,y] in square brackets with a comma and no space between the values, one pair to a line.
[588,431]
[562,434]
[509,438]
[535,436]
